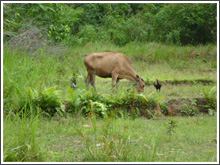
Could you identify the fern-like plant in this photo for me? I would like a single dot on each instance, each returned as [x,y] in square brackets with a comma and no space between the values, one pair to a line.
[210,95]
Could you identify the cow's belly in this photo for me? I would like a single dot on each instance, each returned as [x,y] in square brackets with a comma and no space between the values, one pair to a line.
[103,74]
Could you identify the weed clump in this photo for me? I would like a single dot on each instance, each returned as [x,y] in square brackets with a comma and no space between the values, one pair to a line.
[30,40]
[47,102]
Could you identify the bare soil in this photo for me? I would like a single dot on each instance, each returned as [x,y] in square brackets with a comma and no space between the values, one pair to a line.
[175,106]
[203,81]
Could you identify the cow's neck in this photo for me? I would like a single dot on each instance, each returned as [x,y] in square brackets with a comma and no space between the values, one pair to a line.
[132,76]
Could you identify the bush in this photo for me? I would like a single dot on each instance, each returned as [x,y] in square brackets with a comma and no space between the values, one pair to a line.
[31,103]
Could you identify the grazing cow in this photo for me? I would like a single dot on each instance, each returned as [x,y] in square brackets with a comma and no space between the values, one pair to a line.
[113,65]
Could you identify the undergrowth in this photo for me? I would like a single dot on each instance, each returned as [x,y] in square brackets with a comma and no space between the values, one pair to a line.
[50,103]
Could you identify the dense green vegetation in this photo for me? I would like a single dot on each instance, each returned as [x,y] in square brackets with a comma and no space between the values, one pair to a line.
[118,23]
[46,120]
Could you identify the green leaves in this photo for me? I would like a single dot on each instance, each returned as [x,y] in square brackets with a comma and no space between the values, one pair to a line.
[119,23]
[171,128]
[210,95]
[98,108]
[186,23]
[189,110]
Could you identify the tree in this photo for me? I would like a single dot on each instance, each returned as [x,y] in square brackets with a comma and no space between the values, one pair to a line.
[186,23]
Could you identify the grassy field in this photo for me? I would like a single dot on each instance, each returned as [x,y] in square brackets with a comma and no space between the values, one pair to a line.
[79,139]
[37,128]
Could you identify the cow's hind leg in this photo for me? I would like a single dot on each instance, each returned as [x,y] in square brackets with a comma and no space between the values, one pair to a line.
[115,80]
[117,84]
[93,81]
[87,80]
[90,79]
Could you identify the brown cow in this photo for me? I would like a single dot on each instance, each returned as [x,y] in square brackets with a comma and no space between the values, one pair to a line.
[113,65]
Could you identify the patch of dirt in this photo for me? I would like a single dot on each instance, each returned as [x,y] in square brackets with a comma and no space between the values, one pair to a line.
[175,82]
[175,106]
[210,71]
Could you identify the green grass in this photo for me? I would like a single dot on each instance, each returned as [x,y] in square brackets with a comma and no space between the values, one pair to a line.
[34,83]
[69,139]
[22,70]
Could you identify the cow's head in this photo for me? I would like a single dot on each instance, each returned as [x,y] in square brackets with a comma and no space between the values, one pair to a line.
[140,84]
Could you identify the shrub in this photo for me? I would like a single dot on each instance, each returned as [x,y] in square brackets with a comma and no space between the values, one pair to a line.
[47,101]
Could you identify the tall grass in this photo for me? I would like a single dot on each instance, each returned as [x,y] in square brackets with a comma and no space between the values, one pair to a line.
[21,140]
[110,144]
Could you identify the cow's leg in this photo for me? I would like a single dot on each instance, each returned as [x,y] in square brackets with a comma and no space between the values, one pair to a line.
[117,84]
[93,81]
[114,80]
[87,80]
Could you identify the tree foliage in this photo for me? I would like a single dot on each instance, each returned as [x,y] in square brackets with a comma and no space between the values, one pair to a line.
[119,23]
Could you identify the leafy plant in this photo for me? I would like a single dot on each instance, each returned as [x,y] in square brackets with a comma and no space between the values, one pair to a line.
[164,108]
[171,128]
[49,102]
[189,110]
[98,108]
[211,98]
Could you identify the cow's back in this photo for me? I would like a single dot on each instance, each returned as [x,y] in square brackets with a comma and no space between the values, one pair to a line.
[102,59]
[104,63]
[105,58]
